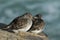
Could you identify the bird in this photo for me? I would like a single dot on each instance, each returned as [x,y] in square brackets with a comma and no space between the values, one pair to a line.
[20,23]
[38,24]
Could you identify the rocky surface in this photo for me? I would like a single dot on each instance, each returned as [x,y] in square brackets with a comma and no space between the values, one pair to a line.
[5,35]
[2,25]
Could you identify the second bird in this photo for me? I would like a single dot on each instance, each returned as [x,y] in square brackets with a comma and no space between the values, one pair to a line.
[38,24]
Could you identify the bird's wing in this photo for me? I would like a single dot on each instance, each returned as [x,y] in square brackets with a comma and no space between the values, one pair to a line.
[19,23]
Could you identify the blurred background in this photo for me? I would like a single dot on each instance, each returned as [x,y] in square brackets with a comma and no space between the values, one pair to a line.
[50,9]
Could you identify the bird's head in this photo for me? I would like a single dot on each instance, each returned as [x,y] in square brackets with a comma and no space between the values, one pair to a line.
[28,15]
[37,16]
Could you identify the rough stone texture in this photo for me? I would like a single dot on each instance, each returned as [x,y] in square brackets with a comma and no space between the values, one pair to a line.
[4,35]
[43,36]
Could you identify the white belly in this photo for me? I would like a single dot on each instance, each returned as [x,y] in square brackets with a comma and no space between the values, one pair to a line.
[24,29]
[27,27]
[37,31]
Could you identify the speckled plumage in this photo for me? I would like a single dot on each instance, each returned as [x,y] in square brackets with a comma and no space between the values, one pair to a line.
[38,24]
[20,23]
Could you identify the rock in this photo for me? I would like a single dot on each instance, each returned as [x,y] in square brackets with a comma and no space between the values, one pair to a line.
[2,25]
[43,35]
[4,35]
